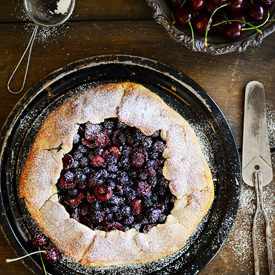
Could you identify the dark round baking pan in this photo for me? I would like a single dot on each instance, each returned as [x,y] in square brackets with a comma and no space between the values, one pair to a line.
[178,91]
[216,43]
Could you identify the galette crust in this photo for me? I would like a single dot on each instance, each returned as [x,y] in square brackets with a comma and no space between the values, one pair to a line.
[185,167]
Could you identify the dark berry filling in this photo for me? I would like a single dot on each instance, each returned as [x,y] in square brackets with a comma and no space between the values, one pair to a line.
[112,178]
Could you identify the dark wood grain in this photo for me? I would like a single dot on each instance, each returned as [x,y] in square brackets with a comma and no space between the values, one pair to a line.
[125,27]
[223,77]
[13,10]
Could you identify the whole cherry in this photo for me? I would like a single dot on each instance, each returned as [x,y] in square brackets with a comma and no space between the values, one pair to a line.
[233,31]
[236,6]
[176,3]
[221,27]
[201,22]
[266,3]
[242,16]
[197,5]
[257,12]
[183,16]
[52,254]
[39,240]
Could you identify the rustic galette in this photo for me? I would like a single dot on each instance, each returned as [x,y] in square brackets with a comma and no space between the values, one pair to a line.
[115,176]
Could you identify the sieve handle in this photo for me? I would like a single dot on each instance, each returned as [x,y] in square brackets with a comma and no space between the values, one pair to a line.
[29,47]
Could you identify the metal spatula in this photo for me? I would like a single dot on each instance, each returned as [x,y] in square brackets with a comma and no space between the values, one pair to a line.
[256,161]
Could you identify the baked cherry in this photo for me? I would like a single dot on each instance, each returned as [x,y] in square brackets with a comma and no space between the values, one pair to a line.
[183,16]
[144,188]
[114,226]
[147,227]
[158,146]
[115,150]
[138,158]
[102,140]
[75,201]
[52,254]
[102,192]
[90,197]
[116,139]
[151,172]
[233,30]
[67,185]
[257,12]
[98,161]
[136,206]
[87,143]
[116,177]
[84,209]
[67,161]
[39,240]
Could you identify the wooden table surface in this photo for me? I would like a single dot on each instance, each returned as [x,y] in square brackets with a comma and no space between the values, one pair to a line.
[127,27]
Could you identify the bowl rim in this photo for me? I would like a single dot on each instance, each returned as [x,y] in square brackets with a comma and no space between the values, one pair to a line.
[254,40]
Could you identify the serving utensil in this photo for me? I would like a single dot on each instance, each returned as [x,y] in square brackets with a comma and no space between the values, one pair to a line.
[256,162]
[42,13]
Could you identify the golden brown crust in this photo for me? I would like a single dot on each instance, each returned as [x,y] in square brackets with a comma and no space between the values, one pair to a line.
[185,167]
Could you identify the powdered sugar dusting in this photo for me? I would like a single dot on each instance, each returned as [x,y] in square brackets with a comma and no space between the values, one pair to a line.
[207,147]
[239,243]
[271,126]
[47,34]
[62,6]
[44,34]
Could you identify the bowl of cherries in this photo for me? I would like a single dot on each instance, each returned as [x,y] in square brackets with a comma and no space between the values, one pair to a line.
[216,26]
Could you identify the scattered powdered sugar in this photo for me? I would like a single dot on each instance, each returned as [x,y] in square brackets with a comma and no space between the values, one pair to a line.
[44,34]
[271,126]
[47,34]
[239,242]
[63,6]
[238,245]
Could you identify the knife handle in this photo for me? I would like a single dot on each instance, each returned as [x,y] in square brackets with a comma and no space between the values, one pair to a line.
[259,205]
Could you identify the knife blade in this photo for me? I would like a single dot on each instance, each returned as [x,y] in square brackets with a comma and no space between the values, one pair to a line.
[256,151]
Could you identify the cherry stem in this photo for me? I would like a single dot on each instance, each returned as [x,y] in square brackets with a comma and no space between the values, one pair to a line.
[217,24]
[173,19]
[240,21]
[25,256]
[43,265]
[208,24]
[249,24]
[183,2]
[192,33]
[266,20]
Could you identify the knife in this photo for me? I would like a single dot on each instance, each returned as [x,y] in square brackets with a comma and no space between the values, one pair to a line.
[256,160]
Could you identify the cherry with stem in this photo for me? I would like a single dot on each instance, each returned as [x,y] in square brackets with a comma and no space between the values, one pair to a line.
[208,24]
[266,20]
[239,21]
[40,252]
